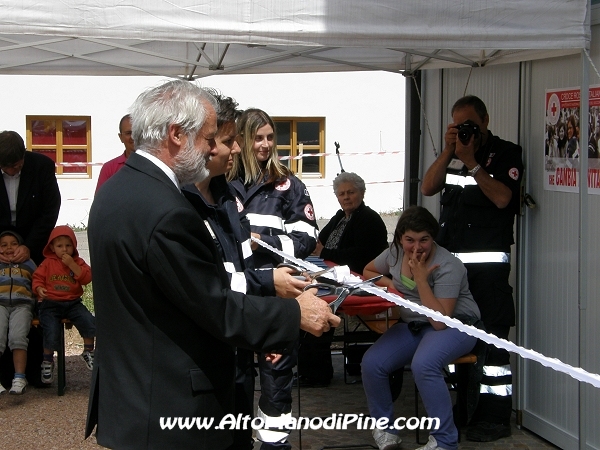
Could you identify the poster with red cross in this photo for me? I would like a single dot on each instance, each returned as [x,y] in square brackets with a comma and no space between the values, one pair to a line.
[562,152]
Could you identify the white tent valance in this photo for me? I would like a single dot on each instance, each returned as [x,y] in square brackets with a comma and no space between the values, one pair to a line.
[198,37]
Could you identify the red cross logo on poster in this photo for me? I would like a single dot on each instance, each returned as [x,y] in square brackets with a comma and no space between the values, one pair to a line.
[553,109]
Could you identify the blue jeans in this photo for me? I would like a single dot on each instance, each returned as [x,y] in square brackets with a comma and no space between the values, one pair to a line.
[427,351]
[52,312]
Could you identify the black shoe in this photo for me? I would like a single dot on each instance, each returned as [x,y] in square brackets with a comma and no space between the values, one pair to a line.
[488,432]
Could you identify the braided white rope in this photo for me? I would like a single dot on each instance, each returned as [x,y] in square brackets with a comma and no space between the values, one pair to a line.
[554,363]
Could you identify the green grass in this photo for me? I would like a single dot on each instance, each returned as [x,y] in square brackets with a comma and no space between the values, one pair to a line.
[393,212]
[88,297]
[81,227]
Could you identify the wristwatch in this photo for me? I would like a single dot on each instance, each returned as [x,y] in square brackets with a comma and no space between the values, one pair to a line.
[474,170]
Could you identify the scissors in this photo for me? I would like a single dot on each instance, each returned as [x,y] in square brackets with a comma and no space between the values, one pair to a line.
[342,292]
[301,272]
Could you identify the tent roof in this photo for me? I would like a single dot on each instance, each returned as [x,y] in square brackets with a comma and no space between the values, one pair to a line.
[196,38]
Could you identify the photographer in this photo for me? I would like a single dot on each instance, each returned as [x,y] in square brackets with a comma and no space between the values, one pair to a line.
[476,223]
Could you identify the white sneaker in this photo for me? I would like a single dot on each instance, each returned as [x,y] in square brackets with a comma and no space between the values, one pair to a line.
[385,440]
[431,445]
[18,386]
[88,358]
[2,389]
[47,372]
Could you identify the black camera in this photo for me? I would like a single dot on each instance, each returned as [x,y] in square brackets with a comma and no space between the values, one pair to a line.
[466,130]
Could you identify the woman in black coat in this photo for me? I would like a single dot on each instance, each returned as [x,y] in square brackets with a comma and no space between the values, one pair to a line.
[356,234]
[353,237]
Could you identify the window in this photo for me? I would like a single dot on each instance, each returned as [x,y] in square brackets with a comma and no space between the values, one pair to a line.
[64,139]
[302,134]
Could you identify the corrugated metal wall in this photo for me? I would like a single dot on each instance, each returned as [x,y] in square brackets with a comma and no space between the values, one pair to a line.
[551,400]
[551,314]
[547,273]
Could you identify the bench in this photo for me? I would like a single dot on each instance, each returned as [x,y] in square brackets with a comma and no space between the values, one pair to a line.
[60,353]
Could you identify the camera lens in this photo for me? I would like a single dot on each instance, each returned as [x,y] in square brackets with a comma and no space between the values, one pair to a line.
[464,135]
[466,130]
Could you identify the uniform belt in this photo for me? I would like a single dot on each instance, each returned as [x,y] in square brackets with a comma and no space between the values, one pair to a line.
[483,257]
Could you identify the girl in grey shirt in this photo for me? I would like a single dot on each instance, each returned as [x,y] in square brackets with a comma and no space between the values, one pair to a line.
[427,274]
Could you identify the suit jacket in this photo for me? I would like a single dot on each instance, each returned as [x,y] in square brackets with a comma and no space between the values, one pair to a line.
[364,238]
[167,322]
[38,203]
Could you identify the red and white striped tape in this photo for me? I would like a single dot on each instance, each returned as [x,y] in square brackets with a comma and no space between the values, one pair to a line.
[312,186]
[310,155]
[366,182]
[282,158]
[77,164]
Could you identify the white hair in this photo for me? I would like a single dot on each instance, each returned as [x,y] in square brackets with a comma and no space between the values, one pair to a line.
[349,177]
[176,102]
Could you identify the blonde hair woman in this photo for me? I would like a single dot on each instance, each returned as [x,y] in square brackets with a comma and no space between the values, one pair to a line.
[277,203]
[281,214]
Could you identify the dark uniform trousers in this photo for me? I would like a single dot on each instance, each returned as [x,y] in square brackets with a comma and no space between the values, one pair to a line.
[276,390]
[489,285]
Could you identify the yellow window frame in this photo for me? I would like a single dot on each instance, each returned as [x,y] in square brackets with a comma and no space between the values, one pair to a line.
[59,147]
[293,146]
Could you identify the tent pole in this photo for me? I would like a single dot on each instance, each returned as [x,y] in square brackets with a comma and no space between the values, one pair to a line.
[523,244]
[583,243]
[413,140]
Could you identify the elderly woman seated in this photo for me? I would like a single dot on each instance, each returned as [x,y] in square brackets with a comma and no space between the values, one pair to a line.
[353,237]
[356,234]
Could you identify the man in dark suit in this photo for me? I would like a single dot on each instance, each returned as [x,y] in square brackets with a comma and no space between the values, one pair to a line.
[29,196]
[167,321]
[29,205]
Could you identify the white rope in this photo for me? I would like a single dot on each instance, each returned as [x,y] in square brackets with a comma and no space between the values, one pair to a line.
[554,363]
[592,63]
[468,79]
[296,261]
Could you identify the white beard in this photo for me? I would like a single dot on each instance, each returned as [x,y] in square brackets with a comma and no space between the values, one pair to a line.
[190,165]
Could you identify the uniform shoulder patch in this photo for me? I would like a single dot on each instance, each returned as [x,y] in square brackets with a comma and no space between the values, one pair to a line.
[514,173]
[283,185]
[309,212]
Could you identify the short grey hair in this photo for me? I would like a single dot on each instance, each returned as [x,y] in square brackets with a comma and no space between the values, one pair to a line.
[176,102]
[349,177]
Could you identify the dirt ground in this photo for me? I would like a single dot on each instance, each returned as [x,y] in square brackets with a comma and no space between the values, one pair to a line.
[40,418]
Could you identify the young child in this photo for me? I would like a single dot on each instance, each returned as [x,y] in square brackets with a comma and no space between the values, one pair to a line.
[58,284]
[16,308]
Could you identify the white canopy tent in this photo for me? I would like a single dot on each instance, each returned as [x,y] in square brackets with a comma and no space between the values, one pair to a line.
[197,38]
